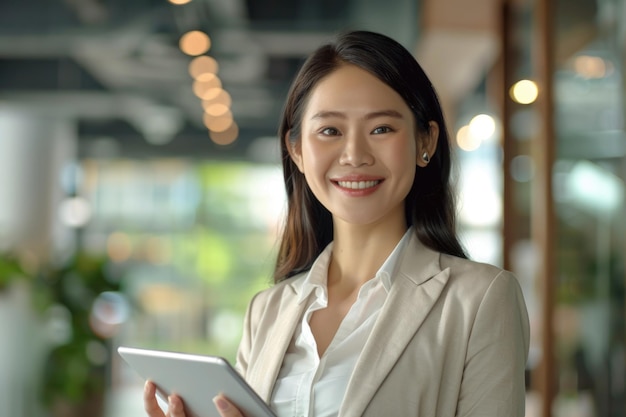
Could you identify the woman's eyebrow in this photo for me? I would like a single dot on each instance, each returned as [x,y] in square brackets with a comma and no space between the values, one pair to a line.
[325,114]
[384,113]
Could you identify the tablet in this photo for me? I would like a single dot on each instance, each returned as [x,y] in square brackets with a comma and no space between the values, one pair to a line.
[196,379]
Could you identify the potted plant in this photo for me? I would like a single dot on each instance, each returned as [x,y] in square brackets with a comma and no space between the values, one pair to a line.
[76,369]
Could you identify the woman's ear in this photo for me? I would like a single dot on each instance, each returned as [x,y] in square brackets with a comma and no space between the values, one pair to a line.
[295,150]
[428,144]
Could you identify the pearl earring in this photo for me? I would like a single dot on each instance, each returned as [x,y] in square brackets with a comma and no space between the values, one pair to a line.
[425,157]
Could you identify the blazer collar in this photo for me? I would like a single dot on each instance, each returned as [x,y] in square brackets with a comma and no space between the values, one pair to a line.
[415,290]
[267,365]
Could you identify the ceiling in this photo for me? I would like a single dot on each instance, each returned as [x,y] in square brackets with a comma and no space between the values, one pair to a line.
[115,67]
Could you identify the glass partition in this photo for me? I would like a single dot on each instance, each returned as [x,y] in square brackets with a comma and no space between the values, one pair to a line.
[588,178]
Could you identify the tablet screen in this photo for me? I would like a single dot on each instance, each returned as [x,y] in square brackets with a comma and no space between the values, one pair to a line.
[197,379]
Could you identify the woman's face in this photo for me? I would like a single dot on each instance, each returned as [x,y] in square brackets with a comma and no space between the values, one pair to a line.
[358,147]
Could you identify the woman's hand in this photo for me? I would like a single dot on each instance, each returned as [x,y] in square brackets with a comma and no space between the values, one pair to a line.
[175,404]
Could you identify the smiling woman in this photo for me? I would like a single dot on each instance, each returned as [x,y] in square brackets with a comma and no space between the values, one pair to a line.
[376,308]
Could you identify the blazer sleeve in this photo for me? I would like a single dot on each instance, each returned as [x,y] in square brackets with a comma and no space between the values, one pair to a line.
[245,345]
[493,381]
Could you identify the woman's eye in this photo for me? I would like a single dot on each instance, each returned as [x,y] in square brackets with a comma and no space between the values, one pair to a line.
[381,129]
[329,131]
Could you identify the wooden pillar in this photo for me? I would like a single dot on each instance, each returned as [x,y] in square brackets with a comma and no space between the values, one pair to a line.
[543,219]
[506,73]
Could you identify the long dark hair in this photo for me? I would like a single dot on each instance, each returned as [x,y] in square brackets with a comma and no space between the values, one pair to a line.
[430,204]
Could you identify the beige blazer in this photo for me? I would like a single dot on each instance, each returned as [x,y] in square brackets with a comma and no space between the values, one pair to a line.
[451,340]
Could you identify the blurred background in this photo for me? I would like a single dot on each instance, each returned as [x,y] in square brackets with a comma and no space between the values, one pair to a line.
[141,193]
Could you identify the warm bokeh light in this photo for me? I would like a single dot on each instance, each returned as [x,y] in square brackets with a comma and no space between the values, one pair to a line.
[119,247]
[157,250]
[524,92]
[591,66]
[160,298]
[218,124]
[179,2]
[482,126]
[466,140]
[222,98]
[226,137]
[195,43]
[211,93]
[203,67]
[216,109]
[207,79]
[201,87]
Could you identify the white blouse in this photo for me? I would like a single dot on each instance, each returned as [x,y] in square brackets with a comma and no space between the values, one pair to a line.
[310,386]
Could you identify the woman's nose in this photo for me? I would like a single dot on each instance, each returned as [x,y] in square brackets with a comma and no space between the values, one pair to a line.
[356,151]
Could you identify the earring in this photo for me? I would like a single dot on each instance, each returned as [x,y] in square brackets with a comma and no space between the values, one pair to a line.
[425,157]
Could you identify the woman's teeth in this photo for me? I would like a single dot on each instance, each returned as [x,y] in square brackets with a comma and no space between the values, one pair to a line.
[357,185]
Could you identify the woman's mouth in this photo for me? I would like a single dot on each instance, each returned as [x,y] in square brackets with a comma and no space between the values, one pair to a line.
[358,185]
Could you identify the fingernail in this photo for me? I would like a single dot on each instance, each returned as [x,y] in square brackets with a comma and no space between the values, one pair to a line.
[221,403]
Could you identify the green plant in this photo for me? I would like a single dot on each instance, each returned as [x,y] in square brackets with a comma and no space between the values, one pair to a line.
[75,370]
[10,270]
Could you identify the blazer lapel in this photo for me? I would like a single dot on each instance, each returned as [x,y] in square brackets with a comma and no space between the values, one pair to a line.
[415,289]
[267,365]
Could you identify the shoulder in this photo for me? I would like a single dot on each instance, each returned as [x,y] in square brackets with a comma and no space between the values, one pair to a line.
[422,264]
[483,287]
[462,267]
[473,276]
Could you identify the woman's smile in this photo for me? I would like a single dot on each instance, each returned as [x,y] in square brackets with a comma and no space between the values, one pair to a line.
[357,185]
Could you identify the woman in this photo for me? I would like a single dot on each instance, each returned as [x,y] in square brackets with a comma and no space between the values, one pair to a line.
[376,310]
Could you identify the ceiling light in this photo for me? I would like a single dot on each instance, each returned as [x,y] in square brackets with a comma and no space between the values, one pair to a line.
[222,98]
[226,137]
[218,124]
[203,66]
[466,140]
[216,109]
[201,87]
[195,43]
[524,92]
[482,126]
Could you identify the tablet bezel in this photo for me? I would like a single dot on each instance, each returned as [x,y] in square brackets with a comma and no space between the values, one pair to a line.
[197,379]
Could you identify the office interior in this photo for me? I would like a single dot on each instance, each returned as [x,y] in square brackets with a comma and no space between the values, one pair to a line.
[141,192]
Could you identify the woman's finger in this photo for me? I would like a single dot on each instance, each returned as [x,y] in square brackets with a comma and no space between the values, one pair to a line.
[175,406]
[150,403]
[225,407]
